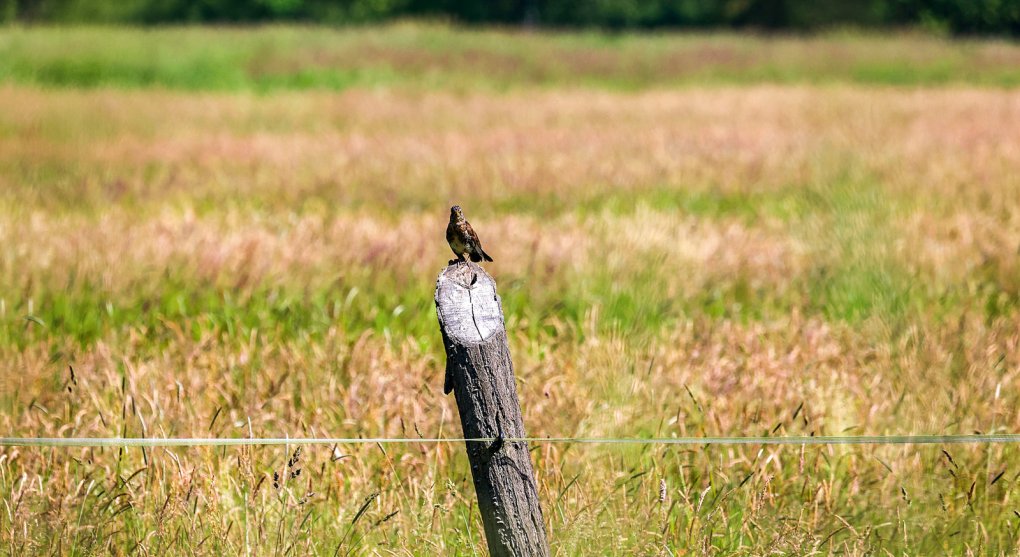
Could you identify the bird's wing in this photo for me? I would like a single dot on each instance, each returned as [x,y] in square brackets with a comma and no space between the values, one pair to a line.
[471,239]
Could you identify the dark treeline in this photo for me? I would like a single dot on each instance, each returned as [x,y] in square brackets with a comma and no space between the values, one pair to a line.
[956,16]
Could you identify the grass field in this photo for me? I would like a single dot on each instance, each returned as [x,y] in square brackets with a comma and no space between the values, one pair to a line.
[234,232]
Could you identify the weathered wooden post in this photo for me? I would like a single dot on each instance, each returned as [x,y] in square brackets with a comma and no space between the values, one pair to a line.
[481,375]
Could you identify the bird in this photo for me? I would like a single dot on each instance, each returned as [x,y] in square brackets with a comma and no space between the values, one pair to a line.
[462,237]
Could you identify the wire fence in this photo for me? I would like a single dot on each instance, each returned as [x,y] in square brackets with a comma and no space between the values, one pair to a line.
[691,441]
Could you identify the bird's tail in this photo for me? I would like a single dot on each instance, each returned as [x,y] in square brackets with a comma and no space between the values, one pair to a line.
[480,254]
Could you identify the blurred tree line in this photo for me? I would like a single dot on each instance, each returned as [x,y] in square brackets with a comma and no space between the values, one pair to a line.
[956,16]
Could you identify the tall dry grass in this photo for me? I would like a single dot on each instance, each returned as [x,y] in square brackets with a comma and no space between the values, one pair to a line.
[735,261]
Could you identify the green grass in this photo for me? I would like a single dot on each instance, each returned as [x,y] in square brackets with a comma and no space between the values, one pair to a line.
[427,57]
[852,280]
[224,229]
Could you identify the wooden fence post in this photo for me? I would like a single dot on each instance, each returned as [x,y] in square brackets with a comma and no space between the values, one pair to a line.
[481,376]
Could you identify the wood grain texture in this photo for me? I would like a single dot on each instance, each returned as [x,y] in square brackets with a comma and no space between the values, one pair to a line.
[480,374]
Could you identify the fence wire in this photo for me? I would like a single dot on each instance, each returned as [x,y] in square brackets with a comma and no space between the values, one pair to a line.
[690,441]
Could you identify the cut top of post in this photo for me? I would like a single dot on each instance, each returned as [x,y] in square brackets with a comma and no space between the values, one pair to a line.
[469,308]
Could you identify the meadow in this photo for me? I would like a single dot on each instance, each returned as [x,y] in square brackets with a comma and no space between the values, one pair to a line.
[233,232]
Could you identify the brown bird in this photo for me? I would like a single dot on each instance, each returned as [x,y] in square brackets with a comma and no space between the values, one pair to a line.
[462,237]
